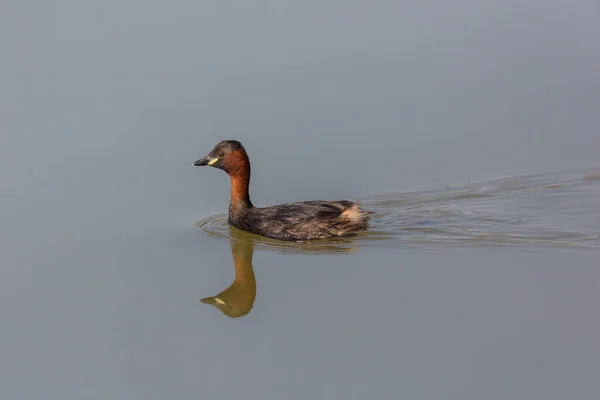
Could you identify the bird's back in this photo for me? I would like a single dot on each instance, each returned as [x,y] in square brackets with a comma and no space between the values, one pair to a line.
[304,220]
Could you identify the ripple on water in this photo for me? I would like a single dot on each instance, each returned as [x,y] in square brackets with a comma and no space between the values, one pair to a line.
[551,210]
[216,226]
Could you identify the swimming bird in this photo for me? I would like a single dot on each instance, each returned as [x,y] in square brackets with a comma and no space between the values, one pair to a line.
[299,221]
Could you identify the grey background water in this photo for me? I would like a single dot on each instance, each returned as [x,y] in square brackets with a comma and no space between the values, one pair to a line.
[104,106]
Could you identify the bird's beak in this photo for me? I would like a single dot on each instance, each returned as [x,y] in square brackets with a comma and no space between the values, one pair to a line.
[206,161]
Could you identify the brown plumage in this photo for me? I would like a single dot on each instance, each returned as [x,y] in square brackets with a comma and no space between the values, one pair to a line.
[303,220]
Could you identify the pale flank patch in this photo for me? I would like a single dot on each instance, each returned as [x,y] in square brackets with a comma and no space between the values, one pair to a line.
[352,214]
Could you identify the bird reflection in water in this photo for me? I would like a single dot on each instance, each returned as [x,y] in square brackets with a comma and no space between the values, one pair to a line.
[238,299]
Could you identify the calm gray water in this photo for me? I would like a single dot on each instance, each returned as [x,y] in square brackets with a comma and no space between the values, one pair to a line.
[470,129]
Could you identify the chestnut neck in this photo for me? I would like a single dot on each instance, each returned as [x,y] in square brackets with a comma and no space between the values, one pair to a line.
[239,171]
[240,189]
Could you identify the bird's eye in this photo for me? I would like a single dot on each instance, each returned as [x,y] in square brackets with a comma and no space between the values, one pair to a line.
[221,153]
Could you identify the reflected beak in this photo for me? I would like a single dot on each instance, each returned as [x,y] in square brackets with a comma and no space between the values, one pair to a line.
[206,161]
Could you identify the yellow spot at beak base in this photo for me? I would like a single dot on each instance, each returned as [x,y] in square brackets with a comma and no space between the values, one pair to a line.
[214,160]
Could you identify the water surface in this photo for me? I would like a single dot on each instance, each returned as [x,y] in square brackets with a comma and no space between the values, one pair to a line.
[471,130]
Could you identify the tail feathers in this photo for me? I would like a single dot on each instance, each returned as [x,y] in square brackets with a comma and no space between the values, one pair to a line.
[355,215]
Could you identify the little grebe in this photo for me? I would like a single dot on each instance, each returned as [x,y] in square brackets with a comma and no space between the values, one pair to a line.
[304,220]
